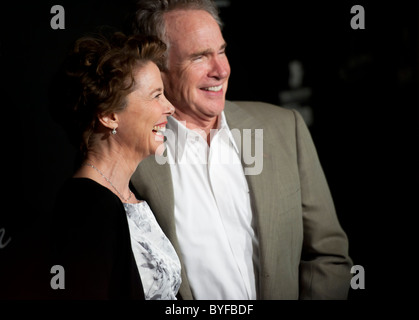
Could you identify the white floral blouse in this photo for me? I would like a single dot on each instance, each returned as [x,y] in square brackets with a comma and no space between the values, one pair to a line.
[157,261]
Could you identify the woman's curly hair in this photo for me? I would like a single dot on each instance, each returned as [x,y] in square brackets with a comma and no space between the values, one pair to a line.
[99,75]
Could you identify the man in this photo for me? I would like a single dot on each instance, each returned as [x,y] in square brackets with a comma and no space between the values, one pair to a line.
[244,227]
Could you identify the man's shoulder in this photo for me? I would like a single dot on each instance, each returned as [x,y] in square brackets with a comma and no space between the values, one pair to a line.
[258,108]
[260,112]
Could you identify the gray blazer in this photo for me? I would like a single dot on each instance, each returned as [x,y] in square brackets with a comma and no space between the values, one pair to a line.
[303,250]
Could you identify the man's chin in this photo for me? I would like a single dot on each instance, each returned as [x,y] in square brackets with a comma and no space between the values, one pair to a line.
[214,108]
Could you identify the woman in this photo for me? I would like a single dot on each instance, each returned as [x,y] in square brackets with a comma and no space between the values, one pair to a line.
[107,240]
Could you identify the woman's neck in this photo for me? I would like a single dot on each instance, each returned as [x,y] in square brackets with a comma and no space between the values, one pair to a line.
[112,169]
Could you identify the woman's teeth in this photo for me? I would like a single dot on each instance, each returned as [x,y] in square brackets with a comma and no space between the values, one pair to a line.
[217,88]
[159,130]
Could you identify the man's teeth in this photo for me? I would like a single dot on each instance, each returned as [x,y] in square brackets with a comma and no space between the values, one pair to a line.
[159,130]
[217,88]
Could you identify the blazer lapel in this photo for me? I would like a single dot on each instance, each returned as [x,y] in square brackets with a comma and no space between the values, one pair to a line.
[153,183]
[259,184]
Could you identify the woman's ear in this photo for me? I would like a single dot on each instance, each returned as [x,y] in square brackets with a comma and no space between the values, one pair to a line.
[110,121]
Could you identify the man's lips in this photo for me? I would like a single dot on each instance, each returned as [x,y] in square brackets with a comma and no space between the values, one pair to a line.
[213,88]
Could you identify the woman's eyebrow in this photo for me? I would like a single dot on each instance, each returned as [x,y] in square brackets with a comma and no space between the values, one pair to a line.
[159,89]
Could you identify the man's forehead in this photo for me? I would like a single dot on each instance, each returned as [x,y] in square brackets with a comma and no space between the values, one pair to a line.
[179,22]
[194,30]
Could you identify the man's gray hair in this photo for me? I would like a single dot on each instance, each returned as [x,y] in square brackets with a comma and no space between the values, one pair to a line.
[148,18]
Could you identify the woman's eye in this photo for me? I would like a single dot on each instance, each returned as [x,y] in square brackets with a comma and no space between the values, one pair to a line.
[157,96]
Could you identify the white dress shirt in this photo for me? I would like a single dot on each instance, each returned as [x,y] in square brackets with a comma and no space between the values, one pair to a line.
[213,214]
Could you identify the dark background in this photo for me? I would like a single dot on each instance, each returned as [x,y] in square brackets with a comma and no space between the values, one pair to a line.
[363,103]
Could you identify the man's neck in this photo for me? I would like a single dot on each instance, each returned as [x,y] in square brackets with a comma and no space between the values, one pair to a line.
[205,125]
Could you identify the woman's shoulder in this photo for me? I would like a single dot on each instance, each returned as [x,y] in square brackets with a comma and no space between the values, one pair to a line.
[85,188]
[85,196]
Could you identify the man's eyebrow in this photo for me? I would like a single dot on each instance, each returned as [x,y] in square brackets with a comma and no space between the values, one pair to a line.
[206,51]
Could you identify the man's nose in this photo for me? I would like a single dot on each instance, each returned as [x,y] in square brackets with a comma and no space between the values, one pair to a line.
[220,68]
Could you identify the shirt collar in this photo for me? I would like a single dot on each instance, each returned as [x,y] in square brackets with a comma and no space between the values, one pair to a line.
[224,125]
[181,131]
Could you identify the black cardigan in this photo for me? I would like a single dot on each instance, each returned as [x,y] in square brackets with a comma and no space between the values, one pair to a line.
[90,239]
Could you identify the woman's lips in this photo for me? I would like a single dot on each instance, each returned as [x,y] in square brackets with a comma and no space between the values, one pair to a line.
[159,129]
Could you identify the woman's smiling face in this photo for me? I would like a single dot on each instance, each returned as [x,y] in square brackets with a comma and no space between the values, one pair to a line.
[142,123]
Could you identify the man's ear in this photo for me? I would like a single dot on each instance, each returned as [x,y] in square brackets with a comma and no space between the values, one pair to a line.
[110,120]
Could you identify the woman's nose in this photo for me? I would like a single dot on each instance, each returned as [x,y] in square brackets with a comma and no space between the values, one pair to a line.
[169,109]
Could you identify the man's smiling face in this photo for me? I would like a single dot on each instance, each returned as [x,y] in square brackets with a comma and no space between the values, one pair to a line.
[198,69]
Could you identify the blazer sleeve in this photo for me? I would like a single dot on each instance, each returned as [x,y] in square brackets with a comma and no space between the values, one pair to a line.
[325,262]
